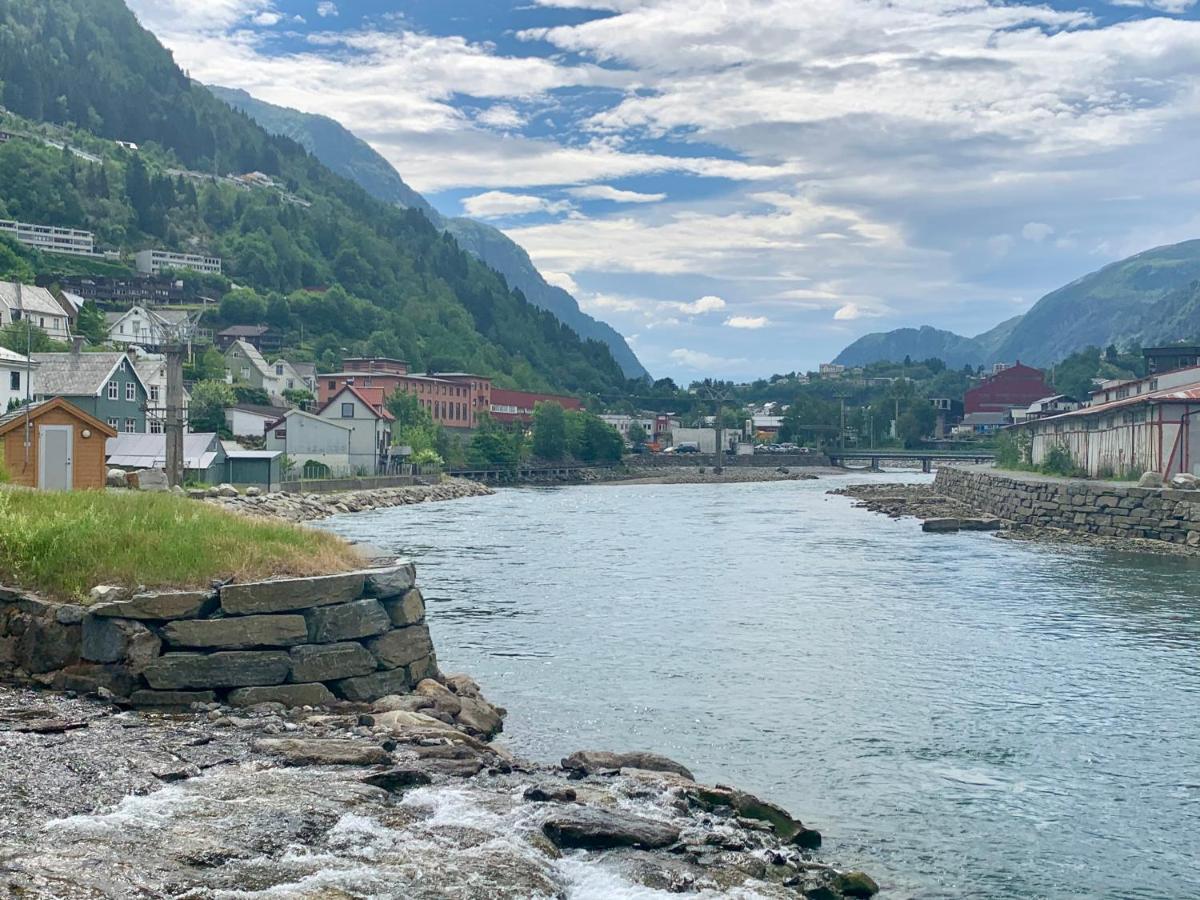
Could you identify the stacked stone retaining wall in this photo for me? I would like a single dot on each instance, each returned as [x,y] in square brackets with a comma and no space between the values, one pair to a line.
[1099,508]
[299,641]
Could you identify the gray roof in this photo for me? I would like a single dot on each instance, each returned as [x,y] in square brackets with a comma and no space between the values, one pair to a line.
[987,418]
[75,374]
[305,369]
[33,299]
[149,450]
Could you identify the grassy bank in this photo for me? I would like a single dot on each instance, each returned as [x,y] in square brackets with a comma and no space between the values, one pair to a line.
[63,544]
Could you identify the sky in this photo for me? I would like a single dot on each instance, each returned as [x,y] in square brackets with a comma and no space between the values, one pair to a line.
[743,187]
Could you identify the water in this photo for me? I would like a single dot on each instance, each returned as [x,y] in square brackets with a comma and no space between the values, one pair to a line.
[963,716]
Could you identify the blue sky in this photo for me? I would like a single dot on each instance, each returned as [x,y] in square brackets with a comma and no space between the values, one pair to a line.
[743,187]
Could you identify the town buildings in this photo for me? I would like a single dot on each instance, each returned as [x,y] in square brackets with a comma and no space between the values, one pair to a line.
[370,428]
[452,399]
[245,365]
[50,239]
[1013,387]
[247,420]
[28,303]
[142,289]
[106,386]
[317,446]
[148,328]
[154,262]
[152,368]
[518,406]
[949,414]
[261,337]
[623,424]
[15,378]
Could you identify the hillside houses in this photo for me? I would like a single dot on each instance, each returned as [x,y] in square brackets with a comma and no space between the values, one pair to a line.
[246,365]
[106,386]
[26,303]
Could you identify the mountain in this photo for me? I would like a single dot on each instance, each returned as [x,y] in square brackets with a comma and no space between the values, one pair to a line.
[1150,298]
[319,257]
[354,158]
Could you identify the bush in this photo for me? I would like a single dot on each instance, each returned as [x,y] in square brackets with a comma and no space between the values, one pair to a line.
[1014,450]
[426,458]
[1059,461]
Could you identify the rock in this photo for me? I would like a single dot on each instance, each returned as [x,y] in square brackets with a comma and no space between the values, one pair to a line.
[174,770]
[399,719]
[197,493]
[253,492]
[940,526]
[401,703]
[113,640]
[808,838]
[239,632]
[423,669]
[1185,481]
[346,621]
[365,688]
[227,668]
[445,699]
[287,694]
[597,829]
[115,478]
[290,594]
[396,780]
[148,480]
[46,645]
[171,699]
[985,523]
[385,582]
[107,593]
[157,605]
[226,490]
[95,678]
[537,794]
[323,752]
[68,614]
[463,685]
[401,646]
[591,761]
[1150,480]
[748,806]
[49,726]
[408,609]
[856,884]
[479,717]
[330,662]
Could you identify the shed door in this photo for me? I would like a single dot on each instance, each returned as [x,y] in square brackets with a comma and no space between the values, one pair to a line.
[55,471]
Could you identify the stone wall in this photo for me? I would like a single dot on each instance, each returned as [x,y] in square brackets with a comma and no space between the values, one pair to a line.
[298,641]
[1099,508]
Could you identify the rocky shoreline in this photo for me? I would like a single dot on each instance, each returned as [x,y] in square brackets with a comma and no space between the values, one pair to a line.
[308,507]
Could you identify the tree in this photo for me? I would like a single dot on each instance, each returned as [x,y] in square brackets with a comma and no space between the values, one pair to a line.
[206,366]
[638,434]
[243,307]
[25,336]
[591,439]
[915,424]
[90,323]
[549,431]
[408,410]
[209,401]
[251,396]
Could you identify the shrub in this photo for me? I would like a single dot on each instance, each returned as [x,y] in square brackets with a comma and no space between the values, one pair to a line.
[1059,461]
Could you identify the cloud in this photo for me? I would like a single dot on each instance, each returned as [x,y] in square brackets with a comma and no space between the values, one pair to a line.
[701,361]
[1169,6]
[501,116]
[1036,231]
[498,204]
[851,311]
[703,305]
[326,9]
[606,192]
[561,280]
[749,322]
[267,18]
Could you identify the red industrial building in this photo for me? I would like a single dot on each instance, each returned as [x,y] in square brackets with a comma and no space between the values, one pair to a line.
[1013,388]
[453,399]
[517,406]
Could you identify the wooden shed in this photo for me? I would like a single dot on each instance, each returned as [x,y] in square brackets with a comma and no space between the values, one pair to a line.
[65,446]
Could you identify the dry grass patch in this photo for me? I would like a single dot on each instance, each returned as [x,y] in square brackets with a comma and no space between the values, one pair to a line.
[63,544]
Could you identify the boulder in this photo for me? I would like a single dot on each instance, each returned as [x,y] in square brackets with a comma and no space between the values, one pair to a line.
[107,640]
[537,794]
[749,807]
[366,688]
[479,717]
[401,646]
[984,523]
[441,696]
[401,703]
[1185,481]
[45,645]
[463,685]
[856,884]
[115,478]
[423,669]
[68,614]
[330,662]
[89,678]
[227,668]
[197,493]
[399,719]
[287,694]
[346,621]
[323,752]
[588,762]
[290,594]
[396,780]
[1150,480]
[599,829]
[408,609]
[385,582]
[171,699]
[940,526]
[157,605]
[108,593]
[253,492]
[226,490]
[148,480]
[238,632]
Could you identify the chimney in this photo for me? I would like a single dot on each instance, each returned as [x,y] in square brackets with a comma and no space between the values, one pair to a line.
[76,345]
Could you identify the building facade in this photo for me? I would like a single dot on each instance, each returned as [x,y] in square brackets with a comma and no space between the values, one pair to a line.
[315,446]
[1014,387]
[28,303]
[154,262]
[452,399]
[50,239]
[106,386]
[15,380]
[518,406]
[370,428]
[54,446]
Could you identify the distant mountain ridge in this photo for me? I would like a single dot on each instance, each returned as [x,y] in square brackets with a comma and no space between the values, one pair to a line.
[350,156]
[1150,298]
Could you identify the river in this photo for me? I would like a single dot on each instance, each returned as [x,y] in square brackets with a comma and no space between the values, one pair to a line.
[962,716]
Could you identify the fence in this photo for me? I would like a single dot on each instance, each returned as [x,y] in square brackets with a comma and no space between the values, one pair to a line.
[352,482]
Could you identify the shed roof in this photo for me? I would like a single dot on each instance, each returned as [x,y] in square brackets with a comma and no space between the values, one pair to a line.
[200,450]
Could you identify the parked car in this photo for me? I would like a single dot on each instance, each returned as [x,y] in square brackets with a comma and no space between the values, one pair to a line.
[687,447]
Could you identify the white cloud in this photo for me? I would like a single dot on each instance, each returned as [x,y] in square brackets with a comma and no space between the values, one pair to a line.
[561,280]
[327,8]
[701,361]
[497,204]
[703,305]
[501,116]
[267,18]
[1036,231]
[851,311]
[1168,6]
[607,192]
[749,322]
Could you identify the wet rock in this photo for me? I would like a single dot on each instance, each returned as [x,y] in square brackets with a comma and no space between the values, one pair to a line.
[50,726]
[96,678]
[236,633]
[536,794]
[479,717]
[940,526]
[323,752]
[174,770]
[440,695]
[398,779]
[387,582]
[157,605]
[856,884]
[330,662]
[400,646]
[346,621]
[171,699]
[750,807]
[408,609]
[597,829]
[366,688]
[402,703]
[227,668]
[286,694]
[589,762]
[291,594]
[984,523]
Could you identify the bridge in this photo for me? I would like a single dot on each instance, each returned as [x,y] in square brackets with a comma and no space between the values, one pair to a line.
[529,474]
[927,458]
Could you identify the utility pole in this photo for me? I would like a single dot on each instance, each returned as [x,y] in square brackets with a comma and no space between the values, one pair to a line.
[28,374]
[718,396]
[842,431]
[173,419]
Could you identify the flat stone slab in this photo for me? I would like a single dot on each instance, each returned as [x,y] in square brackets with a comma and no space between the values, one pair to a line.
[331,662]
[940,526]
[371,687]
[319,752]
[227,668]
[291,594]
[238,632]
[401,646]
[598,829]
[171,698]
[390,581]
[407,609]
[346,621]
[159,605]
[591,761]
[287,694]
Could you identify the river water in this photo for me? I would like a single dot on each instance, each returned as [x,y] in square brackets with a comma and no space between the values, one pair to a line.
[962,716]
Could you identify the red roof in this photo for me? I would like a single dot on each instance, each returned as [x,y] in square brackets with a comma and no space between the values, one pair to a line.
[1189,394]
[379,412]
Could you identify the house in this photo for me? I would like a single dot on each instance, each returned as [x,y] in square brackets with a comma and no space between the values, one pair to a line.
[143,289]
[518,406]
[51,239]
[316,447]
[153,371]
[104,385]
[982,423]
[621,423]
[1013,387]
[154,262]
[371,428]
[261,337]
[253,468]
[452,399]
[1167,359]
[15,372]
[24,302]
[244,364]
[249,421]
[949,413]
[1047,406]
[763,428]
[54,445]
[144,327]
[831,370]
[307,373]
[203,455]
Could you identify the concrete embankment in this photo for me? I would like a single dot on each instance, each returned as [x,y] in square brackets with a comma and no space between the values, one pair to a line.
[307,507]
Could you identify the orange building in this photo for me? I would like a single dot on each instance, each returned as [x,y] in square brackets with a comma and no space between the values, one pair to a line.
[453,399]
[66,447]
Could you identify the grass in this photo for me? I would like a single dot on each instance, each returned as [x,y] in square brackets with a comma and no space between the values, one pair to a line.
[63,544]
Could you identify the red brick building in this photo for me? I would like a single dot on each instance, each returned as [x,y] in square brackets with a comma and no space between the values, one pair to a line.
[1015,387]
[517,406]
[453,399]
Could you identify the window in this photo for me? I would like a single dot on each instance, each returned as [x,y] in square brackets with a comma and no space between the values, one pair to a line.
[281,433]
[278,368]
[291,384]
[42,321]
[156,427]
[112,390]
[114,424]
[245,373]
[130,426]
[14,380]
[332,384]
[122,328]
[154,393]
[130,390]
[347,410]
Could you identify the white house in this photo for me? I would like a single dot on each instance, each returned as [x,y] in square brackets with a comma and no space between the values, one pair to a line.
[143,327]
[152,367]
[244,364]
[246,420]
[371,429]
[33,304]
[14,375]
[624,423]
[316,446]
